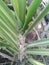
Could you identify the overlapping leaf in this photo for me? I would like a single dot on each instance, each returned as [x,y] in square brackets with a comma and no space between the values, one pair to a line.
[31,11]
[4,44]
[38,43]
[20,8]
[39,17]
[8,26]
[43,52]
[34,62]
[9,14]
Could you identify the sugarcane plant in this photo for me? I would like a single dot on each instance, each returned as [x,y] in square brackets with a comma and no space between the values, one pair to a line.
[14,27]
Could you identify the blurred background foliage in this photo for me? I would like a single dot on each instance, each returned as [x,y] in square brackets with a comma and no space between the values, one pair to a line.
[7,1]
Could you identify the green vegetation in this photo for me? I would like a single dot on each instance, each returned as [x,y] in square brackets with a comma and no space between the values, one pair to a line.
[13,29]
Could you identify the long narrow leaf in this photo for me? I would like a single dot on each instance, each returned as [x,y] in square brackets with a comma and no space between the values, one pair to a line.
[6,44]
[6,56]
[22,10]
[38,43]
[8,24]
[16,6]
[5,49]
[34,62]
[3,25]
[3,43]
[43,52]
[9,14]
[39,17]
[31,11]
[8,39]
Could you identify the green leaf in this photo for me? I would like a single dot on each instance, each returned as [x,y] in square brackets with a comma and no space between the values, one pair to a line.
[10,52]
[8,27]
[5,26]
[5,44]
[31,11]
[34,62]
[7,33]
[39,17]
[43,52]
[38,43]
[9,15]
[20,8]
[16,6]
[6,36]
[5,21]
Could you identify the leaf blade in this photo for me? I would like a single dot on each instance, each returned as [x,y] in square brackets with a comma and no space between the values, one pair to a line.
[39,17]
[38,43]
[31,11]
[34,62]
[43,52]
